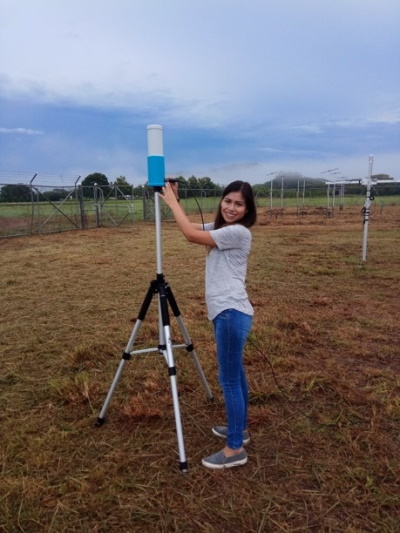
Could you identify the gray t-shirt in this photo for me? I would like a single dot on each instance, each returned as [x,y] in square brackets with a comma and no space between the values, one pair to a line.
[226,268]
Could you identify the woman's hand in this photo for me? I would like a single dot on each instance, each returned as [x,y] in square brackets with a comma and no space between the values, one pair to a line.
[174,185]
[170,194]
[192,232]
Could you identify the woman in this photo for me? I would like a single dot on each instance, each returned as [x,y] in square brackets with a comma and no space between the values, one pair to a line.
[228,240]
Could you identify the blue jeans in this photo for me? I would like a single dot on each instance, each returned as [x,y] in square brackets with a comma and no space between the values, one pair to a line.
[231,329]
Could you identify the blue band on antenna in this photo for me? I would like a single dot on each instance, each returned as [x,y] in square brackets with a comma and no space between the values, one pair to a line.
[156,170]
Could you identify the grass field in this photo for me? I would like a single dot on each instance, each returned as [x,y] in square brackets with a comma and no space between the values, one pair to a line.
[323,367]
[27,209]
[40,218]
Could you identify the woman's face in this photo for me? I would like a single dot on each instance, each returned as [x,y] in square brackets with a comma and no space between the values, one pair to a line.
[233,207]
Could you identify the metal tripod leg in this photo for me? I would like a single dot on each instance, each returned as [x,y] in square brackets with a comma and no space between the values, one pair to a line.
[168,354]
[165,347]
[188,342]
[127,353]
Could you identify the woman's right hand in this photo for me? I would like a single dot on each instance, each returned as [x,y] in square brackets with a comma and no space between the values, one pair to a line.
[174,186]
[169,194]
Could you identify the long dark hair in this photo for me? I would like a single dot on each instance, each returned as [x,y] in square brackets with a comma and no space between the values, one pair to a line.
[250,216]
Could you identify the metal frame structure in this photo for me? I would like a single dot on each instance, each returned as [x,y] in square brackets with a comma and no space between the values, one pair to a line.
[368,182]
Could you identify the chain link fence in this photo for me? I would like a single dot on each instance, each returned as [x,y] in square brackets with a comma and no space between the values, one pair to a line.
[43,209]
[50,209]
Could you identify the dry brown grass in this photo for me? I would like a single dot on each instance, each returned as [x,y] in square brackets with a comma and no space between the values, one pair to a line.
[323,366]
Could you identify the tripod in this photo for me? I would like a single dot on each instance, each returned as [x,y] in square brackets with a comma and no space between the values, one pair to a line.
[165,296]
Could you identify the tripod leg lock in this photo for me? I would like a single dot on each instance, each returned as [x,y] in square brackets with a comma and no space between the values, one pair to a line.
[172,371]
[184,467]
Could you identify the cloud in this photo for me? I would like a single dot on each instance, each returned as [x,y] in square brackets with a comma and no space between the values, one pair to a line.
[239,86]
[21,131]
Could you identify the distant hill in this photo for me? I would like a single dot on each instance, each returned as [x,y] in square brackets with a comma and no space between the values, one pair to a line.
[291,182]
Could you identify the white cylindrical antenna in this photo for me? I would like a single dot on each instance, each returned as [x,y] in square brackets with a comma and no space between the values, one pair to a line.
[155,139]
[155,159]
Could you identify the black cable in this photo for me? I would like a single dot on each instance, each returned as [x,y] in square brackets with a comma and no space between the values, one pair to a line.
[256,347]
[322,424]
[200,210]
[333,424]
[177,180]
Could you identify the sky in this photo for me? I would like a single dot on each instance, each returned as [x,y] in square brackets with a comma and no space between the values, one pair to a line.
[243,89]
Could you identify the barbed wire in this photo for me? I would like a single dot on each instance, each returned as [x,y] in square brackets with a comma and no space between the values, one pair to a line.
[40,179]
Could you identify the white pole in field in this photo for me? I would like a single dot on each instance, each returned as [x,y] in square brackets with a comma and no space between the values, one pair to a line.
[341,202]
[271,174]
[367,207]
[328,185]
[270,196]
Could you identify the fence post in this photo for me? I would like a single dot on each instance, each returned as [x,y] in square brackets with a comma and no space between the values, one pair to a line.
[81,206]
[145,209]
[32,202]
[96,204]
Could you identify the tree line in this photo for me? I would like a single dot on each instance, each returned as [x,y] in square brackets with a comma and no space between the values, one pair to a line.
[196,184]
[199,186]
